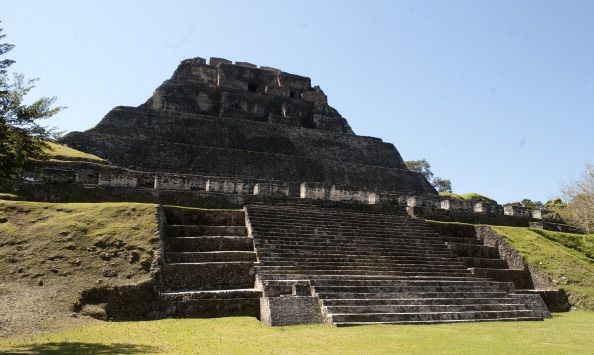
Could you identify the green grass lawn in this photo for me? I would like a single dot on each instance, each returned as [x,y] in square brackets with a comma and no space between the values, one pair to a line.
[567,333]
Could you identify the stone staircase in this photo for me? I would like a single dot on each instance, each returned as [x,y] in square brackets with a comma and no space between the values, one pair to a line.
[368,267]
[209,260]
[484,260]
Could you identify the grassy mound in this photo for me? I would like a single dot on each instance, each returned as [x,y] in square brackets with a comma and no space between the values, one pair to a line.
[570,268]
[50,252]
[61,152]
[470,197]
[567,333]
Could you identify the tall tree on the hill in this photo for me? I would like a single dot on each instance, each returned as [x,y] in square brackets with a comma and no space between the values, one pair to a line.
[423,167]
[22,138]
[579,195]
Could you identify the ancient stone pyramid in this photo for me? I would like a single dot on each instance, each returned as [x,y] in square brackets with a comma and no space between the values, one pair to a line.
[238,120]
[239,137]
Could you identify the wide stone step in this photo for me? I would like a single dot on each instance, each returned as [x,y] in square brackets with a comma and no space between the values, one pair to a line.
[310,250]
[183,215]
[369,263]
[260,242]
[288,276]
[208,304]
[362,258]
[516,319]
[408,289]
[415,295]
[360,232]
[313,273]
[327,225]
[430,316]
[198,257]
[210,243]
[410,308]
[409,282]
[173,231]
[377,249]
[520,278]
[207,275]
[294,222]
[176,296]
[324,212]
[484,263]
[416,301]
[290,234]
[371,268]
[472,250]
[332,218]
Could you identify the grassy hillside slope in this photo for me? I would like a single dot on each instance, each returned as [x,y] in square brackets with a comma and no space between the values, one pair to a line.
[569,268]
[61,152]
[49,252]
[583,243]
[469,197]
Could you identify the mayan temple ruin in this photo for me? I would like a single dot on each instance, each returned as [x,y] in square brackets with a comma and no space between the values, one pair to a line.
[271,206]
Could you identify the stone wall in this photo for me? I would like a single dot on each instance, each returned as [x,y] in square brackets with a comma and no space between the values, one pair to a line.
[443,208]
[83,181]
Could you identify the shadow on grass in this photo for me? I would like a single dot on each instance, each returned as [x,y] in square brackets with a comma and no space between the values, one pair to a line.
[67,348]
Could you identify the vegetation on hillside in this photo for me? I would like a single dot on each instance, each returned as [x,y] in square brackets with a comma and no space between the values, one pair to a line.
[62,152]
[566,333]
[569,268]
[470,197]
[22,138]
[583,243]
[579,195]
[50,252]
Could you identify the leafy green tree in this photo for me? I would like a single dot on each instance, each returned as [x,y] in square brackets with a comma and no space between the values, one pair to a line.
[555,208]
[423,167]
[420,166]
[442,185]
[22,138]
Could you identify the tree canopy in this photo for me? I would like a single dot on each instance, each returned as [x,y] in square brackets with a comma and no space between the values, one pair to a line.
[423,167]
[22,138]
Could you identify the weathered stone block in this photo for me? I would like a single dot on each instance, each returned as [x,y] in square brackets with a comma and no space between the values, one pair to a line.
[290,310]
[313,191]
[516,211]
[214,61]
[274,189]
[117,180]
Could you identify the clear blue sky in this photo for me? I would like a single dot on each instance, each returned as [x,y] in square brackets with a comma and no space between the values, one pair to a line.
[497,95]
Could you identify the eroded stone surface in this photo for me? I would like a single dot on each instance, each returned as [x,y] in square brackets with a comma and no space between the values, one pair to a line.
[237,120]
